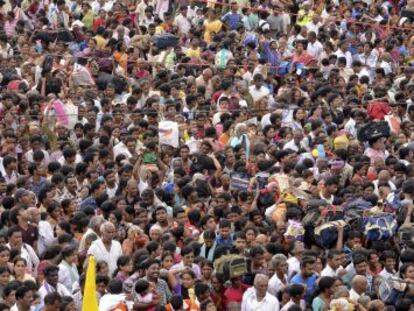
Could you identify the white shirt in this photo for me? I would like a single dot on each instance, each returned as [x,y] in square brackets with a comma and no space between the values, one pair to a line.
[315,49]
[291,303]
[100,252]
[354,295]
[347,55]
[46,289]
[258,93]
[250,303]
[294,266]
[387,275]
[46,237]
[68,275]
[182,23]
[328,271]
[275,285]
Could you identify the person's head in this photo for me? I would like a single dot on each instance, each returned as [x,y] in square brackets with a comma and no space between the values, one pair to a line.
[188,278]
[51,273]
[24,297]
[334,258]
[296,292]
[389,260]
[261,281]
[279,263]
[187,253]
[360,263]
[307,266]
[107,231]
[15,238]
[257,254]
[326,285]
[124,264]
[152,268]
[202,292]
[225,228]
[142,287]
[4,275]
[359,284]
[52,301]
[208,305]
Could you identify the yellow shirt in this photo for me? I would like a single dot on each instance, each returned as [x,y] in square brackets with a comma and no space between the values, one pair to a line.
[193,53]
[101,42]
[213,26]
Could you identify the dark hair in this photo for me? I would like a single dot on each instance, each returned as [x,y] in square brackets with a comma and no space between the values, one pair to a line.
[115,286]
[21,291]
[51,298]
[296,290]
[141,285]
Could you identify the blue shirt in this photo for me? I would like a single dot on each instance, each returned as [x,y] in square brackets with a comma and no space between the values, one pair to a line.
[221,241]
[309,282]
[89,201]
[232,19]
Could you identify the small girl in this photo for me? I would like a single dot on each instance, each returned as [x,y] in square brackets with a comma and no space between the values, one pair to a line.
[124,268]
[102,268]
[145,292]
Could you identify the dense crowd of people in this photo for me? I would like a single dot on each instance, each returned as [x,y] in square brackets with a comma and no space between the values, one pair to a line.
[248,155]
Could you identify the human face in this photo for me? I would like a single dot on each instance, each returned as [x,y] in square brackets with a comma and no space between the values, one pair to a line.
[11,298]
[167,262]
[225,232]
[261,287]
[27,299]
[53,278]
[20,267]
[282,268]
[390,264]
[188,259]
[217,285]
[206,271]
[409,273]
[153,271]
[161,216]
[187,281]
[240,244]
[259,260]
[4,278]
[361,268]
[16,239]
[4,257]
[308,270]
[108,234]
[335,262]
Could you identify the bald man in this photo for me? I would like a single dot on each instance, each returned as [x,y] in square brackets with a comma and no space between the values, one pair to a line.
[359,287]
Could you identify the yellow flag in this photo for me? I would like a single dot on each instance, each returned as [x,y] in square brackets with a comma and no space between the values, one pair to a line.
[90,300]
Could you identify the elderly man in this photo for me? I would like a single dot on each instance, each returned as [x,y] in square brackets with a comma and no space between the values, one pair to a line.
[280,279]
[106,248]
[359,287]
[257,297]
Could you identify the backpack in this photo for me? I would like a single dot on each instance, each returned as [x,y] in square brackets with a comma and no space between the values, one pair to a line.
[326,235]
[230,266]
[381,227]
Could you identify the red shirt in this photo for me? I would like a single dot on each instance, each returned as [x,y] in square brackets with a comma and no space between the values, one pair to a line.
[234,294]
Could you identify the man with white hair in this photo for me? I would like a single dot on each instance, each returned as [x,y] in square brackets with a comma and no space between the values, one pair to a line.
[279,280]
[257,297]
[106,248]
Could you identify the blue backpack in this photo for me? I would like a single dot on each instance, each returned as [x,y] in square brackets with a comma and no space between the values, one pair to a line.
[381,227]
